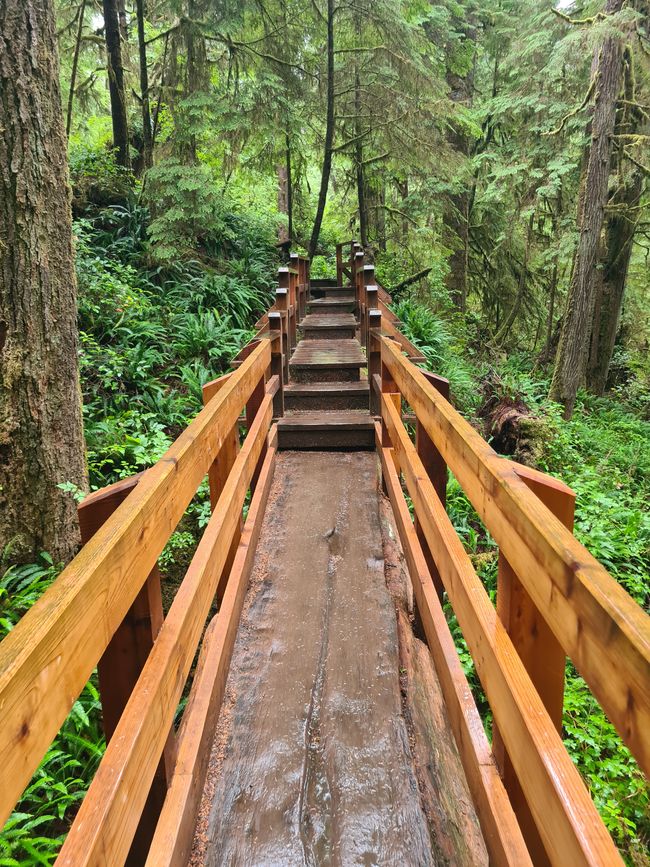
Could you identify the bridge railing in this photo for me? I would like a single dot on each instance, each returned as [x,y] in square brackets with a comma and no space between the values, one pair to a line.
[105,610]
[553,600]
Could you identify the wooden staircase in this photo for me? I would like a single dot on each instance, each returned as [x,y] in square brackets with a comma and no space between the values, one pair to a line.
[327,397]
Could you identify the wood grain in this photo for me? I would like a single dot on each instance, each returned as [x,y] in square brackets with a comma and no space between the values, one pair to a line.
[110,811]
[498,822]
[564,813]
[597,623]
[172,842]
[46,660]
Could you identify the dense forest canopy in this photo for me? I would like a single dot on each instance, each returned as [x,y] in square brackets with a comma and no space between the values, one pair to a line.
[490,155]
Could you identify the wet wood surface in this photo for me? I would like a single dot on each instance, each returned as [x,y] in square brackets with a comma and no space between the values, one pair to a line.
[312,763]
[328,353]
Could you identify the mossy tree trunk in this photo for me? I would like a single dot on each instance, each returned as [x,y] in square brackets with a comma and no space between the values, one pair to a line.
[572,354]
[41,434]
[116,82]
[329,134]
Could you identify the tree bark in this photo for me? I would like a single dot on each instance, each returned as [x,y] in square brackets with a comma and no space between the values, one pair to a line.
[147,131]
[329,133]
[358,143]
[116,83]
[41,434]
[289,188]
[619,237]
[572,354]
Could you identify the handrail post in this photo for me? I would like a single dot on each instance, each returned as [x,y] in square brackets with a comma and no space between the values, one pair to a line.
[285,282]
[436,469]
[368,279]
[123,660]
[218,476]
[358,285]
[252,408]
[282,305]
[294,264]
[372,303]
[374,359]
[277,360]
[389,388]
[537,646]
[339,264]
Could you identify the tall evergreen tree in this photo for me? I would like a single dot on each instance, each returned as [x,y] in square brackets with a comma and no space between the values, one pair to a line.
[41,438]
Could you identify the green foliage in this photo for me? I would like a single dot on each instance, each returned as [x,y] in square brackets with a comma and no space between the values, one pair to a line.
[35,831]
[446,354]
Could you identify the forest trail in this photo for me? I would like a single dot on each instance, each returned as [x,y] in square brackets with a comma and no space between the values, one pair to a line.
[312,763]
[330,719]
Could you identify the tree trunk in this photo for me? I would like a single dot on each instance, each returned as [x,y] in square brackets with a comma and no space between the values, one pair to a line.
[619,237]
[289,188]
[147,132]
[116,83]
[358,143]
[75,64]
[521,288]
[329,133]
[283,203]
[41,434]
[571,359]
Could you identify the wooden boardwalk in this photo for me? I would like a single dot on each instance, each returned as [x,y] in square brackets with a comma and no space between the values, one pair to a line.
[313,764]
[335,736]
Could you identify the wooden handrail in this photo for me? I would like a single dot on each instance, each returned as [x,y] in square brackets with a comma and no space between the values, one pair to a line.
[174,834]
[597,623]
[49,656]
[502,835]
[109,814]
[566,816]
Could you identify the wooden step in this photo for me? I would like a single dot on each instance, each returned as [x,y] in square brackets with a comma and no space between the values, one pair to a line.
[331,292]
[332,305]
[327,395]
[348,429]
[327,361]
[328,326]
[320,282]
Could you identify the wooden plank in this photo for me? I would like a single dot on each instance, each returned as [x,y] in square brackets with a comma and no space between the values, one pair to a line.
[106,821]
[49,656]
[172,842]
[124,658]
[606,634]
[219,472]
[565,815]
[436,468]
[503,838]
[538,649]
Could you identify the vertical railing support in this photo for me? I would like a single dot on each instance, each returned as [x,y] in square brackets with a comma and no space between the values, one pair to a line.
[252,408]
[372,303]
[358,285]
[537,646]
[295,278]
[374,359]
[282,306]
[368,279]
[436,469]
[277,360]
[390,389]
[218,475]
[124,658]
[285,282]
[339,264]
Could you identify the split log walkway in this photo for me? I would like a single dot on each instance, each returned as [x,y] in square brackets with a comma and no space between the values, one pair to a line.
[318,728]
